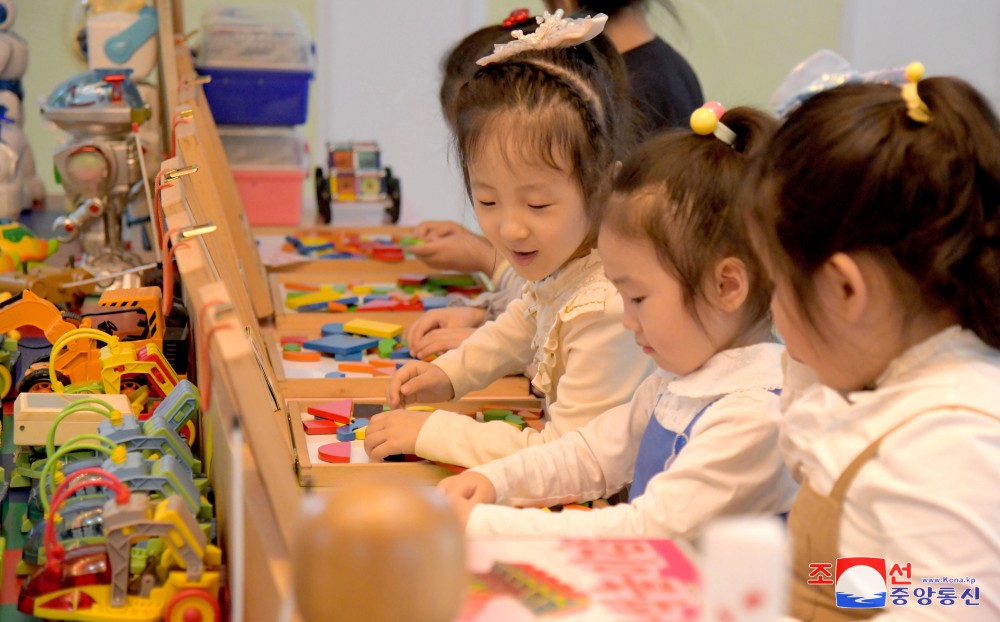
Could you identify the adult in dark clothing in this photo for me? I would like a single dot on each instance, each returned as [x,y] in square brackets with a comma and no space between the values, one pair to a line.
[664,85]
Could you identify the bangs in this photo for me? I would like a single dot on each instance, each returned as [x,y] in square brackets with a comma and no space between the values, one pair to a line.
[547,138]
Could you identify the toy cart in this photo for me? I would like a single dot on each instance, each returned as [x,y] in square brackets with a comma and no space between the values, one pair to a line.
[356,177]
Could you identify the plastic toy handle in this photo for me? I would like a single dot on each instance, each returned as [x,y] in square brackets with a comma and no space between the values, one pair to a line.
[123,45]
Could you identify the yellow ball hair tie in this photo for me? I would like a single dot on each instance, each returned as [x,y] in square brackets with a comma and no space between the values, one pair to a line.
[708,120]
[916,109]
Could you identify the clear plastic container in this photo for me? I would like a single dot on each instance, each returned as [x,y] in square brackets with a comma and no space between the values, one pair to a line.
[263,147]
[270,166]
[265,37]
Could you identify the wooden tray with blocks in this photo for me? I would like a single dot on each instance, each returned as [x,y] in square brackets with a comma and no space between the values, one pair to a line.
[324,459]
[313,376]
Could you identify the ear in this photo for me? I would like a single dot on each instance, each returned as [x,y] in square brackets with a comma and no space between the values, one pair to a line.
[730,284]
[842,287]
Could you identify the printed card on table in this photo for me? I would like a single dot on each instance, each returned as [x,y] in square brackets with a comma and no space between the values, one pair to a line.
[575,580]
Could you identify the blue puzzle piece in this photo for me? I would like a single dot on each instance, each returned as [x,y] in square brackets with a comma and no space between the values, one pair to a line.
[315,248]
[335,374]
[434,302]
[401,353]
[351,356]
[313,307]
[349,432]
[350,300]
[333,328]
[337,255]
[340,344]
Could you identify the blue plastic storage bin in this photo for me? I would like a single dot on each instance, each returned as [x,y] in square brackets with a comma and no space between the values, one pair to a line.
[256,96]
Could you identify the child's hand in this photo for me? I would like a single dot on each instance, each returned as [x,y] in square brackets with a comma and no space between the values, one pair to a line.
[441,340]
[466,491]
[459,250]
[393,432]
[433,229]
[440,330]
[418,381]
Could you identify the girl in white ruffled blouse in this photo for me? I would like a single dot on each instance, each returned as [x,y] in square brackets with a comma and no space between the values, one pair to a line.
[699,439]
[878,214]
[539,129]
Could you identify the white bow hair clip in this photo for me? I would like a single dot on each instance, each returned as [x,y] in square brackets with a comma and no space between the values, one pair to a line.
[554,31]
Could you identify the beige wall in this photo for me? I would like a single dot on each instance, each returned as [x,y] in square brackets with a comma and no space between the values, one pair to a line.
[740,50]
[47,26]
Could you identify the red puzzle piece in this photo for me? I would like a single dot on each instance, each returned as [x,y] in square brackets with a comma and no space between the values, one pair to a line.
[337,410]
[335,452]
[320,426]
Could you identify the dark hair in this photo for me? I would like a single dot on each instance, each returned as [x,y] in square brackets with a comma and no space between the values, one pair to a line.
[679,190]
[548,103]
[850,172]
[611,7]
[459,63]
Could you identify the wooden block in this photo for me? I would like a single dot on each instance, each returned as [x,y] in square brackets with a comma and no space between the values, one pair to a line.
[379,305]
[336,410]
[411,279]
[301,287]
[299,339]
[305,356]
[372,328]
[320,426]
[340,344]
[335,453]
[401,353]
[332,328]
[359,368]
[323,296]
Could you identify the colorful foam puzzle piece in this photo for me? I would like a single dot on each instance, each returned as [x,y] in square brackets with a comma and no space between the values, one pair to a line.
[320,426]
[372,328]
[335,374]
[337,453]
[332,328]
[340,344]
[336,410]
[353,356]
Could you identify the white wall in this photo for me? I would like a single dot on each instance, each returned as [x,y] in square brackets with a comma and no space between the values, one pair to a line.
[958,37]
[380,81]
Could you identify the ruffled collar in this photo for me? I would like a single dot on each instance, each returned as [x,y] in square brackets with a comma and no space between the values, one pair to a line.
[935,349]
[566,278]
[730,371]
